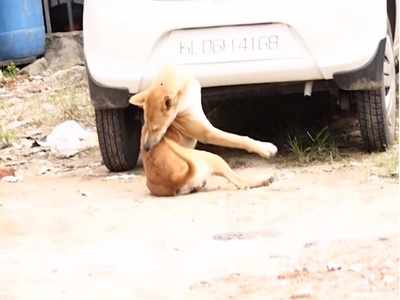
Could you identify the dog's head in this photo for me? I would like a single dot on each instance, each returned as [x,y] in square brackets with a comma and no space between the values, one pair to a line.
[160,107]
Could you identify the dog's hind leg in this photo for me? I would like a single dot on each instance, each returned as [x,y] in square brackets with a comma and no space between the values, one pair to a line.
[206,164]
[221,168]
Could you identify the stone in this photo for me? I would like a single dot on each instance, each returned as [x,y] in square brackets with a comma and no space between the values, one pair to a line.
[11,179]
[44,170]
[4,172]
[331,267]
[16,124]
[36,68]
[64,50]
[121,177]
[69,138]
[66,78]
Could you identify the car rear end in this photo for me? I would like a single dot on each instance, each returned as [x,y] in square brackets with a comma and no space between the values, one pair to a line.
[230,42]
[226,43]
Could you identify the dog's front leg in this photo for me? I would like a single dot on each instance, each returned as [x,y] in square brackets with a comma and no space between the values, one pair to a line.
[205,132]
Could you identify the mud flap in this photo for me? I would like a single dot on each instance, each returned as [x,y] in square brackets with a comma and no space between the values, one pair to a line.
[105,97]
[367,77]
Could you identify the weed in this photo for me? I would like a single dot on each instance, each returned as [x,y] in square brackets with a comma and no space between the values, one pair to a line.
[6,138]
[387,162]
[310,147]
[72,105]
[10,71]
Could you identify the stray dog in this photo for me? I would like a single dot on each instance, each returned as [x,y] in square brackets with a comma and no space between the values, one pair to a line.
[172,169]
[173,121]
[176,97]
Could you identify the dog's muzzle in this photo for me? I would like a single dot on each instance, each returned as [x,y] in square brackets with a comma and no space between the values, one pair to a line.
[150,144]
[147,147]
[150,140]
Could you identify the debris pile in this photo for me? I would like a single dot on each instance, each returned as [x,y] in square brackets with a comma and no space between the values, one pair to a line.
[69,138]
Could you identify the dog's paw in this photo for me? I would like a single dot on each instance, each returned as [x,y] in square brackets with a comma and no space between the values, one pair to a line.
[268,181]
[267,150]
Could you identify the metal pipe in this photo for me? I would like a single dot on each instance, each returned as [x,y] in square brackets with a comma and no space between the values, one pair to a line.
[70,17]
[308,88]
[47,16]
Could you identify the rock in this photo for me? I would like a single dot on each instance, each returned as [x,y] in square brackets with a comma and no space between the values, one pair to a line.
[36,68]
[1,76]
[11,179]
[66,78]
[44,170]
[23,144]
[69,138]
[4,172]
[64,50]
[310,244]
[120,177]
[331,267]
[33,133]
[3,145]
[16,124]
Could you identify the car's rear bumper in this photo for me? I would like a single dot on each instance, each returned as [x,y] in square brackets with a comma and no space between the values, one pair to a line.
[326,37]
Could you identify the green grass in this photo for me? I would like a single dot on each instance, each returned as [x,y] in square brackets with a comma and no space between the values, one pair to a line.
[309,147]
[10,71]
[6,138]
[68,104]
[387,162]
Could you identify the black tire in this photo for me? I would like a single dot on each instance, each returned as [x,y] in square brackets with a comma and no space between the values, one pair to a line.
[377,108]
[373,118]
[119,137]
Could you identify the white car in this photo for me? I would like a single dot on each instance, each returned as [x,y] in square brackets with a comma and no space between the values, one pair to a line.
[345,45]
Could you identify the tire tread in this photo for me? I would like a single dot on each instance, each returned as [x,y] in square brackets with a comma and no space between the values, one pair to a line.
[371,118]
[119,138]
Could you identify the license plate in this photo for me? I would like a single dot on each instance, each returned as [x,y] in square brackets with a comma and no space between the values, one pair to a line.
[229,44]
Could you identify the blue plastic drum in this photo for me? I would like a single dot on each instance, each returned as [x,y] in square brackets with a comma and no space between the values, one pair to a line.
[22,32]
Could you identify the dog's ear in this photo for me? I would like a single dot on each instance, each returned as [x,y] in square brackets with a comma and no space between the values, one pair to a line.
[139,98]
[168,103]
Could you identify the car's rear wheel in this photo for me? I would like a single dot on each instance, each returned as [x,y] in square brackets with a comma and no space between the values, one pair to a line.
[377,108]
[119,137]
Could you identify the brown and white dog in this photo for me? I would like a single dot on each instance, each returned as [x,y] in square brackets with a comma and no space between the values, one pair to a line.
[173,122]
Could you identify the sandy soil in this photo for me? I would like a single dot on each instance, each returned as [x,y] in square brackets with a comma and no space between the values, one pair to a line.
[71,230]
[321,232]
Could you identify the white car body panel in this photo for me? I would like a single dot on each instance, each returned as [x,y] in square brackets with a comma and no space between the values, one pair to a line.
[126,41]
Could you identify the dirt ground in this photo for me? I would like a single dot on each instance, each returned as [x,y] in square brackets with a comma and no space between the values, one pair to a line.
[69,229]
